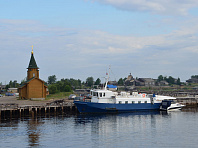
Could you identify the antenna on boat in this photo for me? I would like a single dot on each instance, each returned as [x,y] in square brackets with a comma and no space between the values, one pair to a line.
[107,79]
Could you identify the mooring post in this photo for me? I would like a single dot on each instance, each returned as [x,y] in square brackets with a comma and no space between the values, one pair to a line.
[36,110]
[10,114]
[20,112]
[39,110]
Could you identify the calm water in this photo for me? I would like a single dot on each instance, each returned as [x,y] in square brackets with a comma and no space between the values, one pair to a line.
[153,129]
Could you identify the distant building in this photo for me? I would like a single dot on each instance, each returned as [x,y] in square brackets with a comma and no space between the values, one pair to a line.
[192,80]
[112,82]
[33,87]
[146,82]
[13,90]
[163,83]
[129,81]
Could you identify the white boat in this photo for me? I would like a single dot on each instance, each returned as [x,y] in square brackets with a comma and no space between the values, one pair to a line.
[175,106]
[172,106]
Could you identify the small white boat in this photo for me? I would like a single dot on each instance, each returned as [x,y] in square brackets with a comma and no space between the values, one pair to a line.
[175,106]
[172,106]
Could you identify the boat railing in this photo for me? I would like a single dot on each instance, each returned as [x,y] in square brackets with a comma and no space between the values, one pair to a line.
[87,100]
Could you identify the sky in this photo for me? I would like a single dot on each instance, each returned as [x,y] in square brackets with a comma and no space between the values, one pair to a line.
[82,38]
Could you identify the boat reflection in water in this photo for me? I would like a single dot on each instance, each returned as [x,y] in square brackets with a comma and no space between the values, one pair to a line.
[90,118]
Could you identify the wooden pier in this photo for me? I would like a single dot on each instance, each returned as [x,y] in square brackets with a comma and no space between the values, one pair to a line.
[10,106]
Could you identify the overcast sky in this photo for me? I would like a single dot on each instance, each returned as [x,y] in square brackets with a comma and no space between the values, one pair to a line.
[81,38]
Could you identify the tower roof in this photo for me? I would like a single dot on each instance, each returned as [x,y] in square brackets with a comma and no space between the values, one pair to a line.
[32,63]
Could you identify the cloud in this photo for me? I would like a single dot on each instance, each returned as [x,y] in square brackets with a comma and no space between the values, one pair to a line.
[165,7]
[77,53]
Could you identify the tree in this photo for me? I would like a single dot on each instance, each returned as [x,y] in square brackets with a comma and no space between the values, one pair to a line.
[171,80]
[98,81]
[124,79]
[10,84]
[52,79]
[178,81]
[67,88]
[120,81]
[194,76]
[23,81]
[89,81]
[15,84]
[60,86]
[52,89]
[160,78]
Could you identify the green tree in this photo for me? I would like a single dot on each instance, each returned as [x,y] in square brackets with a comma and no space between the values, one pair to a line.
[89,81]
[15,84]
[10,84]
[124,79]
[120,81]
[67,88]
[160,78]
[171,80]
[194,76]
[52,89]
[178,81]
[98,81]
[52,79]
[60,86]
[23,81]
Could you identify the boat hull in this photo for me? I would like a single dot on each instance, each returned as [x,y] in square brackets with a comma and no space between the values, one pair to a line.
[90,107]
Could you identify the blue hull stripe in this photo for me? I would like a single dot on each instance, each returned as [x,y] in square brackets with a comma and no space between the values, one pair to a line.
[90,107]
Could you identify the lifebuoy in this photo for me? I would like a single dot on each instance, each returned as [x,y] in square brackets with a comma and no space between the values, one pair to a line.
[143,95]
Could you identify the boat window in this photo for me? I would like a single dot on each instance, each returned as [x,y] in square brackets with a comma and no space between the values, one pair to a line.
[100,94]
[145,101]
[120,102]
[126,102]
[133,102]
[95,94]
[139,102]
[103,94]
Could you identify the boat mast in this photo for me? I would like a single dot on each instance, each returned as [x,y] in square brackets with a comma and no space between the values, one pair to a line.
[107,79]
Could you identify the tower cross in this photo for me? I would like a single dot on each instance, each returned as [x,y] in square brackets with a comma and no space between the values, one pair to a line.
[32,49]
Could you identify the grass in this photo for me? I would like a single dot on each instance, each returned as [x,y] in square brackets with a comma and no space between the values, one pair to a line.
[60,95]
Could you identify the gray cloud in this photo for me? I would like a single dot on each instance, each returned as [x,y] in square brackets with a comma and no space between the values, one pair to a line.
[166,7]
[81,53]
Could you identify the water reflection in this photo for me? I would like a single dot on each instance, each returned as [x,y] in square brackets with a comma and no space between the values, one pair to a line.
[109,128]
[87,118]
[140,129]
[33,131]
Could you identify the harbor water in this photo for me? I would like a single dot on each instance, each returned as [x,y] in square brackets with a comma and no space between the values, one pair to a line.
[137,129]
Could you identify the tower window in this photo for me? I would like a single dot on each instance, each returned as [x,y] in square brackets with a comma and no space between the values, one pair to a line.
[33,74]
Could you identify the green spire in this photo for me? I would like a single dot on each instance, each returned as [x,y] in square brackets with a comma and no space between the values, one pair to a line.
[32,63]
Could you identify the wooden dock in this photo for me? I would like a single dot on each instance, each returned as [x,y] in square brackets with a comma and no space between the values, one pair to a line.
[10,106]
